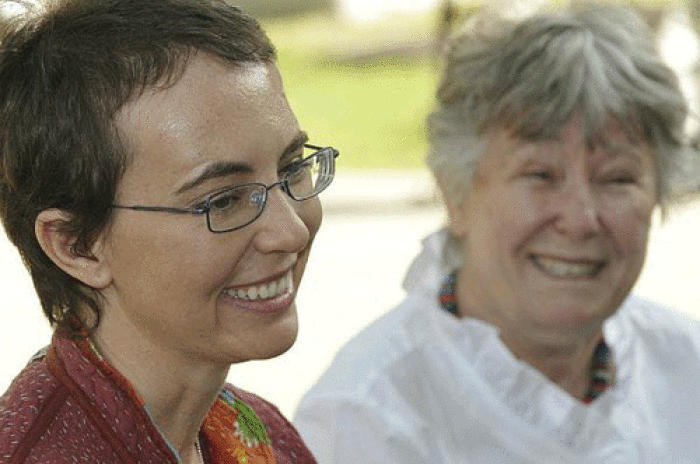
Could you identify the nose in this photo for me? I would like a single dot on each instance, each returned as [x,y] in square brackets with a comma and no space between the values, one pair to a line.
[280,227]
[577,209]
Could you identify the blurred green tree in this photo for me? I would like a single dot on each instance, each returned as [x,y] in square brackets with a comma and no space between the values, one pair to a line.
[283,8]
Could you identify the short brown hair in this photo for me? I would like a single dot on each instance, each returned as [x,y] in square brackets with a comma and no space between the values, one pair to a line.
[63,76]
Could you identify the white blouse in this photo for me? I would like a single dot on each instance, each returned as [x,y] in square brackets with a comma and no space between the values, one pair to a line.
[421,386]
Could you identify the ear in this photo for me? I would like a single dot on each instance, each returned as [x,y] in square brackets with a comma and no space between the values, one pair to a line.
[457,209]
[51,232]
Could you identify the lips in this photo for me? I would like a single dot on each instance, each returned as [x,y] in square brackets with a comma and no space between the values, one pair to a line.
[567,268]
[263,291]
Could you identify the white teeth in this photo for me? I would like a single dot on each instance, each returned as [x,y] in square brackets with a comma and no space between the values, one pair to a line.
[263,291]
[558,268]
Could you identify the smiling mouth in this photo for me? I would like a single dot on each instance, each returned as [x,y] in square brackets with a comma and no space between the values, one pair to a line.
[264,291]
[563,268]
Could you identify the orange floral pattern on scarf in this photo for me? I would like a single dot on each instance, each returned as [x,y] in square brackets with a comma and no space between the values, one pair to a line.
[234,433]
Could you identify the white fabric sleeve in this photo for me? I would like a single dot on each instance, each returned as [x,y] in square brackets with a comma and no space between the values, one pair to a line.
[344,432]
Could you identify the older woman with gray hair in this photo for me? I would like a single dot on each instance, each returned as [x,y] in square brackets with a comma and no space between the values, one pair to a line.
[554,140]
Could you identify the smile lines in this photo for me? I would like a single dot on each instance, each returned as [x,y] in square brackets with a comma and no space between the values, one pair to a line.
[562,268]
[263,291]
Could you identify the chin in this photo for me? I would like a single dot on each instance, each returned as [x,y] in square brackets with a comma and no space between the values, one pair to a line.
[276,351]
[274,341]
[280,342]
[576,317]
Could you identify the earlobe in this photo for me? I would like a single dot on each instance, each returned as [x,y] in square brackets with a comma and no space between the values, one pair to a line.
[90,267]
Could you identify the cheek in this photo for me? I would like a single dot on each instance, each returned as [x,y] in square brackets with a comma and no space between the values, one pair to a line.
[511,218]
[631,237]
[629,224]
[491,235]
[311,214]
[174,261]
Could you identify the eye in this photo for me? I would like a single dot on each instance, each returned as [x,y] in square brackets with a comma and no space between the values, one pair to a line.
[619,178]
[300,171]
[541,175]
[227,200]
[292,166]
[289,167]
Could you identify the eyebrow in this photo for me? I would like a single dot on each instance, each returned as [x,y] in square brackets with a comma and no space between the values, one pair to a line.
[297,142]
[624,149]
[226,168]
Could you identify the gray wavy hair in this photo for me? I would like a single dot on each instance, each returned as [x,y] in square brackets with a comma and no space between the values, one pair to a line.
[532,76]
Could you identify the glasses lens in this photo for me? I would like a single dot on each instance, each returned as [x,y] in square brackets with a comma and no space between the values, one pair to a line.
[236,207]
[311,175]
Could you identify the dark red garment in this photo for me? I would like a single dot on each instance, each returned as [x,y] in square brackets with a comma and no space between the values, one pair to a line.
[71,406]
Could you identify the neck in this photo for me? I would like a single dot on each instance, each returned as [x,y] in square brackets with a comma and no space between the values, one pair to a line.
[567,364]
[564,357]
[177,391]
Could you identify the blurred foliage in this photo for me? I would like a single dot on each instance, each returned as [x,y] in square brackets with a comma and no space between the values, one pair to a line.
[365,90]
[283,8]
[695,13]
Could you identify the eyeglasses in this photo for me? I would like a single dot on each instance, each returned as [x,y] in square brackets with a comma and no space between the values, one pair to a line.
[236,207]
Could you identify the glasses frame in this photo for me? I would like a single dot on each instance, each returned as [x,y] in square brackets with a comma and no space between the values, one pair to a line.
[205,207]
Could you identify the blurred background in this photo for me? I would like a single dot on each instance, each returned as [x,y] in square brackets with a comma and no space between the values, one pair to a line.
[360,75]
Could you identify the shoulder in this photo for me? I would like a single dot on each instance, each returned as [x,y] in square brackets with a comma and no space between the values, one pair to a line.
[649,317]
[367,358]
[25,406]
[370,383]
[664,332]
[285,440]
[657,353]
[370,404]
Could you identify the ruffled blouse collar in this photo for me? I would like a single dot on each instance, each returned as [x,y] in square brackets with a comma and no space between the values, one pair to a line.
[521,395]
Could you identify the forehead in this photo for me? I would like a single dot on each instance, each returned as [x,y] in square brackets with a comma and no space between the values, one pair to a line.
[214,112]
[614,141]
